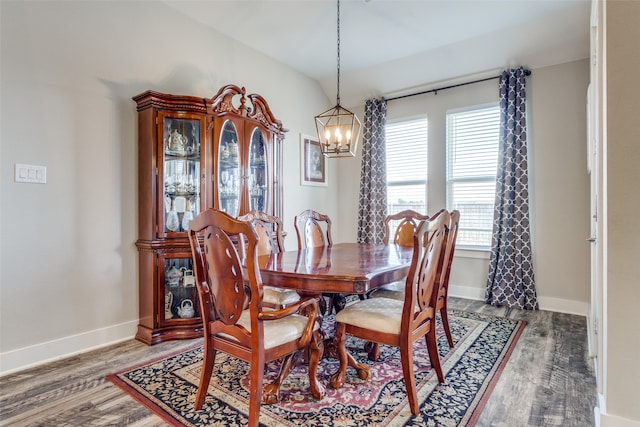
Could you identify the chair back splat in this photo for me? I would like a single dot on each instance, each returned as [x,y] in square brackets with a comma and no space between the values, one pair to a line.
[405,224]
[312,229]
[269,229]
[235,320]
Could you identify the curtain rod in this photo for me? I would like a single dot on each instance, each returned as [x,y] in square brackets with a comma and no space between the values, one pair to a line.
[527,73]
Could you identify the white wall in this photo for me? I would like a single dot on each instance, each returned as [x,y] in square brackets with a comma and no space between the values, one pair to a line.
[559,183]
[68,265]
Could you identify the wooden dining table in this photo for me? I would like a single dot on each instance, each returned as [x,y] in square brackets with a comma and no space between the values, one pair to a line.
[343,268]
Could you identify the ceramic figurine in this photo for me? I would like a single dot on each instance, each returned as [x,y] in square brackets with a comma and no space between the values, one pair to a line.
[168,301]
[186,309]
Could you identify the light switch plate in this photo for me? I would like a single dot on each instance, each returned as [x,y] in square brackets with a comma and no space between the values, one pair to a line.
[31,173]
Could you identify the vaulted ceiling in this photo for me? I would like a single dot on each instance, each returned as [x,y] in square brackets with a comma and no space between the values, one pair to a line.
[390,47]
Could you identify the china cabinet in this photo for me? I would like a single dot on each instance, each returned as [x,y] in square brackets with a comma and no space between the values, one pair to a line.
[196,153]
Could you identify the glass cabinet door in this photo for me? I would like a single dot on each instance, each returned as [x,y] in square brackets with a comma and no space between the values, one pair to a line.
[229,184]
[181,172]
[257,172]
[180,293]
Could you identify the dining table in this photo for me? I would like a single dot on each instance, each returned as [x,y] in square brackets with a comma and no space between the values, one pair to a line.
[342,268]
[345,268]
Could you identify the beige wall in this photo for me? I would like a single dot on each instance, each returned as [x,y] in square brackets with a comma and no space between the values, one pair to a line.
[68,271]
[622,204]
[67,247]
[559,183]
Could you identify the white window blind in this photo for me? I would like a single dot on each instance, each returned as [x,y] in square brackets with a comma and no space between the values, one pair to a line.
[407,165]
[472,159]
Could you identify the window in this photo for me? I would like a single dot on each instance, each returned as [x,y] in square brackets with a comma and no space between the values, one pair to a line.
[472,159]
[407,165]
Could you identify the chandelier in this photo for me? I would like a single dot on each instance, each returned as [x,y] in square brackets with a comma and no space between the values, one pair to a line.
[338,128]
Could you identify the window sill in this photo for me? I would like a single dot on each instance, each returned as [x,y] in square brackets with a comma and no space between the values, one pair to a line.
[472,253]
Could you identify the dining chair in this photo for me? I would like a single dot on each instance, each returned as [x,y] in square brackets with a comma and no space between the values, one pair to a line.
[404,225]
[443,287]
[313,229]
[394,291]
[270,241]
[250,332]
[400,323]
[399,229]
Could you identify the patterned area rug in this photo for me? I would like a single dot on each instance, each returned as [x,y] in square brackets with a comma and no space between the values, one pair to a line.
[483,345]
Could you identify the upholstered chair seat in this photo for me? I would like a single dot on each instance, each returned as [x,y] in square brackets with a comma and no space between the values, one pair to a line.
[394,290]
[279,297]
[278,331]
[381,314]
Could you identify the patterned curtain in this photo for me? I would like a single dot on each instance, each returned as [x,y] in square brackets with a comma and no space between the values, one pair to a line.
[373,173]
[510,280]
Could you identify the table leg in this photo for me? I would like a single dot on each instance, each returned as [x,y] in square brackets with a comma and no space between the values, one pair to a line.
[311,355]
[316,349]
[346,359]
[373,350]
[271,392]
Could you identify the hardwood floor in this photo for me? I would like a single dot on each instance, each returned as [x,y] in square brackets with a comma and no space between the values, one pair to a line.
[549,380]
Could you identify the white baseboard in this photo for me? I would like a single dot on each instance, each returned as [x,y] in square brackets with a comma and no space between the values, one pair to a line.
[27,357]
[560,305]
[599,410]
[545,303]
[467,292]
[34,355]
[592,338]
[607,420]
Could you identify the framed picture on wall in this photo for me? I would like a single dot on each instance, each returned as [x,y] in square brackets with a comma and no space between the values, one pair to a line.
[313,167]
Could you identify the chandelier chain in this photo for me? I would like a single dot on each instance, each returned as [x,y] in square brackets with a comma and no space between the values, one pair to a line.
[338,128]
[338,80]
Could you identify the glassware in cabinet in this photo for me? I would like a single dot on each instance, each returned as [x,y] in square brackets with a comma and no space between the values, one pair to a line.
[257,178]
[180,172]
[229,178]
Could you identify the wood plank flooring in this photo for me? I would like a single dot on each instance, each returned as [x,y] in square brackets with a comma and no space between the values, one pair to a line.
[549,380]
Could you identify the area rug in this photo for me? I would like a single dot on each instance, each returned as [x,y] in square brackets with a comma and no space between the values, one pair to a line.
[483,344]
